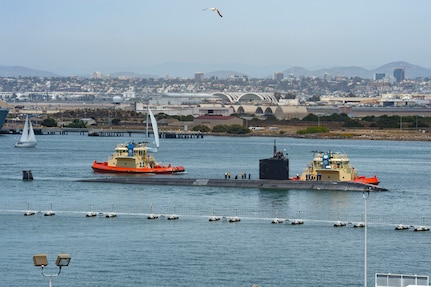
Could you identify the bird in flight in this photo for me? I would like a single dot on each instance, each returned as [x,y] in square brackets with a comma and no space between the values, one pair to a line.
[215,10]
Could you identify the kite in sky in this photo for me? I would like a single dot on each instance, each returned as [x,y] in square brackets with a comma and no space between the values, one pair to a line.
[215,10]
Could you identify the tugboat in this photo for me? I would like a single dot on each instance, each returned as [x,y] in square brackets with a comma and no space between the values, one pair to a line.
[330,166]
[134,158]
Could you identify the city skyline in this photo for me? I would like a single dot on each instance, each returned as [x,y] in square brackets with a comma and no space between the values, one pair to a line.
[76,37]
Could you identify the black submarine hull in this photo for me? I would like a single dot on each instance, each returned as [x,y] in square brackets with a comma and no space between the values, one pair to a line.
[241,183]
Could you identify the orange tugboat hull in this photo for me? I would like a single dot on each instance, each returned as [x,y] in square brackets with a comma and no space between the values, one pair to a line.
[158,169]
[367,180]
[361,179]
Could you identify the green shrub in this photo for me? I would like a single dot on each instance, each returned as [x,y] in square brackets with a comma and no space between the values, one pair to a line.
[313,130]
[237,129]
[201,128]
[352,124]
[49,122]
[77,124]
[220,129]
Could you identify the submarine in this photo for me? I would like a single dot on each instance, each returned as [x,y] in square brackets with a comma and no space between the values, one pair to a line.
[273,174]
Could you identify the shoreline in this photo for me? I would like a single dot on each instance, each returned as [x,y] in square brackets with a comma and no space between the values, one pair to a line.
[351,134]
[389,135]
[282,131]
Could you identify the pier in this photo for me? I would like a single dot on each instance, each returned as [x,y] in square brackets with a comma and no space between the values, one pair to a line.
[107,133]
[168,134]
[181,135]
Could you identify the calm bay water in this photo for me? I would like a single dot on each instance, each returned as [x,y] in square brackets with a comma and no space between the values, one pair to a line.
[132,251]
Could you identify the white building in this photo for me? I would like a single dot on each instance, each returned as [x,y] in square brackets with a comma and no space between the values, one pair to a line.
[129,94]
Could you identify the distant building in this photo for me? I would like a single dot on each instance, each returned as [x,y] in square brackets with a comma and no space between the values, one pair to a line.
[339,78]
[199,76]
[379,76]
[212,110]
[404,99]
[345,109]
[278,76]
[89,121]
[97,75]
[399,74]
[327,76]
[129,94]
[290,112]
[211,121]
[238,78]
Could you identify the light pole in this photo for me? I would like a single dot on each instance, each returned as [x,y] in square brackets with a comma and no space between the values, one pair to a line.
[42,261]
[401,123]
[365,195]
[318,118]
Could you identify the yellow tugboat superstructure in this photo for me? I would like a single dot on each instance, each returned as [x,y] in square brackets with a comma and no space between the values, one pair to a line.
[133,158]
[330,166]
[132,155]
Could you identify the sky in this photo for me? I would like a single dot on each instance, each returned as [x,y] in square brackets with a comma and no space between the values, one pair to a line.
[83,36]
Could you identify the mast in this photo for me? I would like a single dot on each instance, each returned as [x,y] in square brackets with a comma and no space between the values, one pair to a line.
[24,135]
[146,128]
[155,128]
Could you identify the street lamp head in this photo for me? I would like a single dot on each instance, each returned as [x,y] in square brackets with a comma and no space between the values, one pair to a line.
[63,260]
[40,260]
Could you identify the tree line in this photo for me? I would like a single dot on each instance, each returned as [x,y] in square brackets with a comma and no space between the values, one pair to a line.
[376,122]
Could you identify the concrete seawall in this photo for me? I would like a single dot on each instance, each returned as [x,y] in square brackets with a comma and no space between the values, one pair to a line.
[240,183]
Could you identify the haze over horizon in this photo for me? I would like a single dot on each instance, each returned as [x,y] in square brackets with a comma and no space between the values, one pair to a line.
[81,36]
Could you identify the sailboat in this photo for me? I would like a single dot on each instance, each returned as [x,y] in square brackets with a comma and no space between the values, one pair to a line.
[133,157]
[155,131]
[28,139]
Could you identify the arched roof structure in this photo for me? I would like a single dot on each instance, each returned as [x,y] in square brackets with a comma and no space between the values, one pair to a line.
[254,110]
[251,97]
[229,97]
[249,109]
[269,111]
[290,112]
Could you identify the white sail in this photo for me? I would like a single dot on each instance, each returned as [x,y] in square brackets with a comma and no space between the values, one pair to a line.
[31,136]
[24,135]
[155,129]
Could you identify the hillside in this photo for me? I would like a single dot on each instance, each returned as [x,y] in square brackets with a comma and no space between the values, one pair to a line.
[187,70]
